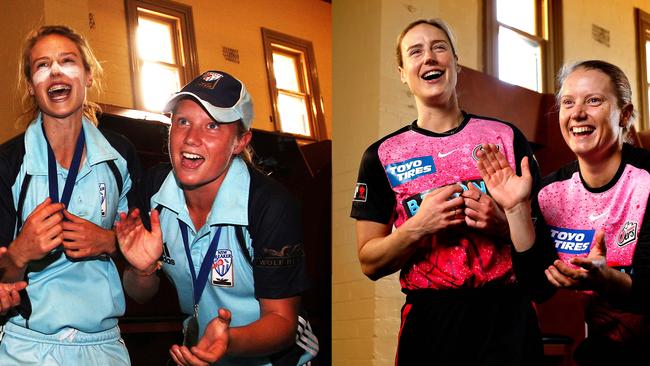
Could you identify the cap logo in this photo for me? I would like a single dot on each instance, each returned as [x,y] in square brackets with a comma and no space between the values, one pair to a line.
[209,80]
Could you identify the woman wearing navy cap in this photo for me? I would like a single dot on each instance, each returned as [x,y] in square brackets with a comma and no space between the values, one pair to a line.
[229,237]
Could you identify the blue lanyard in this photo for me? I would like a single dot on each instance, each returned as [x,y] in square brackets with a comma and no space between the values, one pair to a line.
[206,265]
[72,172]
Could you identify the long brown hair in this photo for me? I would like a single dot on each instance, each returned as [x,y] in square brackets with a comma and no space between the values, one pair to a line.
[30,108]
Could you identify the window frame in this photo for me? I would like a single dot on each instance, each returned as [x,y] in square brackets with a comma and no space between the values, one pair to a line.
[184,39]
[642,20]
[308,77]
[548,25]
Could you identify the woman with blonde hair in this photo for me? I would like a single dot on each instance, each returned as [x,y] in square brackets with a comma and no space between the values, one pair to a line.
[589,229]
[63,183]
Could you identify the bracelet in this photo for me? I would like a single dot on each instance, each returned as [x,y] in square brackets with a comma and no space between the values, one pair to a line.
[148,273]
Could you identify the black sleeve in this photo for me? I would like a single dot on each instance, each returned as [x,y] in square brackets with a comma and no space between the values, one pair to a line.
[12,153]
[522,149]
[374,199]
[275,227]
[127,150]
[529,266]
[150,183]
[641,265]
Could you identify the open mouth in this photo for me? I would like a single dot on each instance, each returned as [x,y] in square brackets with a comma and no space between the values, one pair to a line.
[432,75]
[582,130]
[58,91]
[190,160]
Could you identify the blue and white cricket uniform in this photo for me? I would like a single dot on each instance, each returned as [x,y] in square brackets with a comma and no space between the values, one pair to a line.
[74,303]
[277,267]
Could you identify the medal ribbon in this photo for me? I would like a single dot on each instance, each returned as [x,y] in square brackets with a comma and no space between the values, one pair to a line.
[206,265]
[72,172]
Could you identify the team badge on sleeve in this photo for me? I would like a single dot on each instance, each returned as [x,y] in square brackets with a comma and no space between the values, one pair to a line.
[360,192]
[222,270]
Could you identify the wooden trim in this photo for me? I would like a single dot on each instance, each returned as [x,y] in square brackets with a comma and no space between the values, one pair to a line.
[317,120]
[188,65]
[548,24]
[555,44]
[490,38]
[642,20]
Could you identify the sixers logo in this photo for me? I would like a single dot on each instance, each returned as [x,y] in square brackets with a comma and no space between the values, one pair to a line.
[627,234]
[408,170]
[479,147]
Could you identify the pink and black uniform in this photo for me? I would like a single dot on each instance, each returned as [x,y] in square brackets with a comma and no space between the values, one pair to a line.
[569,213]
[463,304]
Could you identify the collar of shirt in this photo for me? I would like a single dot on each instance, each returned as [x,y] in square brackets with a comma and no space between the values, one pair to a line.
[230,207]
[98,150]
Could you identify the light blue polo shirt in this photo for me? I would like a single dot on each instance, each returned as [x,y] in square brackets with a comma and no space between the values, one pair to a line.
[229,208]
[86,295]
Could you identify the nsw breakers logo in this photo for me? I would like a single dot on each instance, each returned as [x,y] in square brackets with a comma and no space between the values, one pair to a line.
[408,170]
[571,241]
[412,204]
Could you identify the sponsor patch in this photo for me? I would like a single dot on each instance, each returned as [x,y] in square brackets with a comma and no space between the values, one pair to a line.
[222,268]
[412,204]
[102,197]
[288,255]
[408,170]
[209,80]
[360,192]
[479,147]
[572,241]
[627,234]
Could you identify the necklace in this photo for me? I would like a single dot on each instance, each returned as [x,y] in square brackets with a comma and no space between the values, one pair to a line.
[455,129]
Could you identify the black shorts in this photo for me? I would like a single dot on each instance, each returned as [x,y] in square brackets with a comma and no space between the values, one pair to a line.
[469,327]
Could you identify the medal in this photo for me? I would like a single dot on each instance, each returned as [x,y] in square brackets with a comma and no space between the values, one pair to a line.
[191,330]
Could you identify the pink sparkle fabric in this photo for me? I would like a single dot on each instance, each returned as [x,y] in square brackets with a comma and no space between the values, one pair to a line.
[464,257]
[567,206]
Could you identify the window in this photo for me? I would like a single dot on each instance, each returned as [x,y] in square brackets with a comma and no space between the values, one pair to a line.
[293,84]
[163,50]
[522,42]
[643,52]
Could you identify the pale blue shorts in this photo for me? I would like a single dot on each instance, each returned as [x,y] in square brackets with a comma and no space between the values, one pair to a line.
[20,347]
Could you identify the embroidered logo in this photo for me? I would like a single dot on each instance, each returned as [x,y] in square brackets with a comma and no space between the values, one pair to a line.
[209,80]
[408,170]
[360,192]
[222,268]
[288,255]
[102,198]
[479,147]
[627,234]
[166,257]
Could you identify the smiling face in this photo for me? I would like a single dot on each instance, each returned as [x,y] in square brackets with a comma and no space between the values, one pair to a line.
[58,79]
[200,148]
[591,121]
[429,66]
